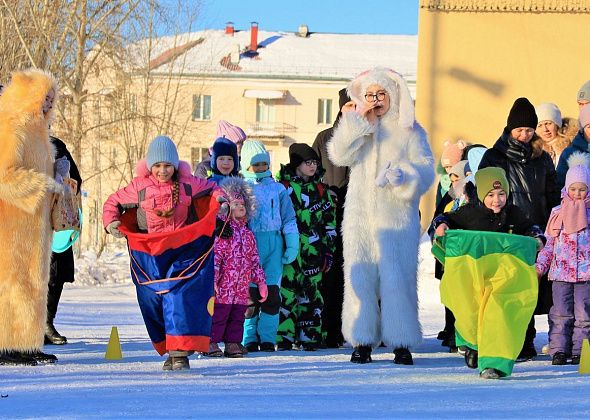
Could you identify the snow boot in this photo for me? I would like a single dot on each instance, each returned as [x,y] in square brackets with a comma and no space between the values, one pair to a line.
[232,350]
[528,352]
[243,349]
[167,364]
[471,358]
[284,345]
[402,356]
[559,359]
[269,347]
[15,358]
[252,347]
[361,354]
[490,373]
[308,346]
[576,359]
[214,351]
[180,363]
[42,358]
[52,336]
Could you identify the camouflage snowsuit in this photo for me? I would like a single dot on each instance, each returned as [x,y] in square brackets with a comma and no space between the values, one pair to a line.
[300,317]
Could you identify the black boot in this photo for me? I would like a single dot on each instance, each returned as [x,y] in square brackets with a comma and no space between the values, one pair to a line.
[559,358]
[15,358]
[42,358]
[402,356]
[52,336]
[361,354]
[528,352]
[471,358]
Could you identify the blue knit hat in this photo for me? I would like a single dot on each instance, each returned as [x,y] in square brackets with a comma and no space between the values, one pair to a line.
[162,149]
[253,151]
[224,147]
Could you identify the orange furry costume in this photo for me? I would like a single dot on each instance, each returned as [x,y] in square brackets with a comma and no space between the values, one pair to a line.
[26,187]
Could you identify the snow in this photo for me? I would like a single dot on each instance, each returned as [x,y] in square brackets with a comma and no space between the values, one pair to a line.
[287,384]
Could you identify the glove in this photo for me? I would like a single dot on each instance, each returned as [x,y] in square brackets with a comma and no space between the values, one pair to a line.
[381,180]
[395,176]
[292,245]
[328,261]
[221,231]
[263,290]
[113,229]
[224,209]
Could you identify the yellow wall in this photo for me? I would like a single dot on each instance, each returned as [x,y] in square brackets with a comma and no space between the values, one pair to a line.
[472,65]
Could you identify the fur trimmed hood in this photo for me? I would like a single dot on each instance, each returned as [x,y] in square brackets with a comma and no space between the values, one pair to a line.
[401,103]
[233,186]
[141,169]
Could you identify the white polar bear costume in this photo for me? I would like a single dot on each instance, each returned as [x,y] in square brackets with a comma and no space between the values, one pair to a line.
[381,226]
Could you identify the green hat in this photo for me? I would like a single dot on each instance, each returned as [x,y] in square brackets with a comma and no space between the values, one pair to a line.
[488,179]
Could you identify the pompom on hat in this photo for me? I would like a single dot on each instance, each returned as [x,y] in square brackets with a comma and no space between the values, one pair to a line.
[522,114]
[490,178]
[230,131]
[162,149]
[548,111]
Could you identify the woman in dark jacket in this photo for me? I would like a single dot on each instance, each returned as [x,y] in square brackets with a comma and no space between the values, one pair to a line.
[62,264]
[533,184]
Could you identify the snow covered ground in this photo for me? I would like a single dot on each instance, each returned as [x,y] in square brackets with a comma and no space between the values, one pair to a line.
[287,384]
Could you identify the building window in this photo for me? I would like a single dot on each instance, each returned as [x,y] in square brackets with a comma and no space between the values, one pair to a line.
[265,111]
[201,107]
[198,154]
[324,111]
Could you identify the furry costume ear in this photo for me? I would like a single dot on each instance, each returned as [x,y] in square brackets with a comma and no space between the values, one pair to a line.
[406,103]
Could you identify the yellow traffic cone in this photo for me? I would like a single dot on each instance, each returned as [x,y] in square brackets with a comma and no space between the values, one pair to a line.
[584,368]
[114,346]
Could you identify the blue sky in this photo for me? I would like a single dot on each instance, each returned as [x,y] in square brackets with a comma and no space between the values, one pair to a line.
[338,16]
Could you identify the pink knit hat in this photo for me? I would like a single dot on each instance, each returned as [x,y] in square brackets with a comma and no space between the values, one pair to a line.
[452,153]
[578,170]
[584,117]
[230,132]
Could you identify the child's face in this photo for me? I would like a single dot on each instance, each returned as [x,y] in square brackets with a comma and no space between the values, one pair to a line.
[577,191]
[307,168]
[238,209]
[495,200]
[225,164]
[163,171]
[258,167]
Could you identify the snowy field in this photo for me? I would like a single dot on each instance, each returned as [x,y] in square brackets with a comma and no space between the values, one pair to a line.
[291,384]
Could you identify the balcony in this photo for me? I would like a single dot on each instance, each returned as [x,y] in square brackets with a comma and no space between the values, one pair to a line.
[269,130]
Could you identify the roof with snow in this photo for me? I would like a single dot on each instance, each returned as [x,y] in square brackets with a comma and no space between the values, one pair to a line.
[281,54]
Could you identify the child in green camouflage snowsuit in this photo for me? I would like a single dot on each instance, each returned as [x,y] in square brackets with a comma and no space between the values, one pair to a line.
[300,317]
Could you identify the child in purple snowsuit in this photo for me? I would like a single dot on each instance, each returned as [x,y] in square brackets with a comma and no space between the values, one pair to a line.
[237,264]
[567,257]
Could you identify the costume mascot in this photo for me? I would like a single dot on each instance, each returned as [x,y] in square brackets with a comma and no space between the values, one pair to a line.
[391,166]
[26,187]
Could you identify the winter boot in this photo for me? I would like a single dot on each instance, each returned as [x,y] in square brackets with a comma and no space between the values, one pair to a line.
[42,358]
[269,347]
[243,349]
[528,352]
[214,350]
[180,363]
[361,354]
[252,347]
[309,346]
[490,373]
[167,364]
[232,350]
[284,345]
[52,336]
[15,358]
[576,359]
[559,359]
[402,356]
[471,358]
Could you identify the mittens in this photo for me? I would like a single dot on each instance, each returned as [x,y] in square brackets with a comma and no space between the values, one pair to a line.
[113,229]
[263,290]
[223,230]
[393,176]
[292,245]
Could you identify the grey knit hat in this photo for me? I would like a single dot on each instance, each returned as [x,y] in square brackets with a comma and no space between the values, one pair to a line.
[584,92]
[162,149]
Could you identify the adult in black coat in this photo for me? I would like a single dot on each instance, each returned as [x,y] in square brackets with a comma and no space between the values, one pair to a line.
[533,185]
[332,288]
[62,264]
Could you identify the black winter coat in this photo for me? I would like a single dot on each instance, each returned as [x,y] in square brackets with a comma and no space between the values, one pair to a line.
[62,264]
[336,177]
[532,180]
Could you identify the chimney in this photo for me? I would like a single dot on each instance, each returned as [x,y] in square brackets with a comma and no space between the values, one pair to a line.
[254,36]
[229,28]
[303,31]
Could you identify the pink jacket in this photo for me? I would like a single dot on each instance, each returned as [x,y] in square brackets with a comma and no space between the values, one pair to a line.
[237,264]
[567,257]
[148,195]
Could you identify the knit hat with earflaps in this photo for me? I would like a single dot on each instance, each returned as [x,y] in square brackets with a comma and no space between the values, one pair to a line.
[253,151]
[224,147]
[490,178]
[162,149]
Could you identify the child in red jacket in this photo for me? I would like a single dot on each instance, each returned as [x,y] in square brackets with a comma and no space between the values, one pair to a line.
[237,264]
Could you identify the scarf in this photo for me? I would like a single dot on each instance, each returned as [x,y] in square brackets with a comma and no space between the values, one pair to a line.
[571,217]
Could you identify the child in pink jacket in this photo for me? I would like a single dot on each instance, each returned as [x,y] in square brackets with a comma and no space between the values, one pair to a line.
[567,257]
[237,264]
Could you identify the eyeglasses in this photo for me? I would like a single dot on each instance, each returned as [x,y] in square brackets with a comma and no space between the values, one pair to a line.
[311,162]
[372,97]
